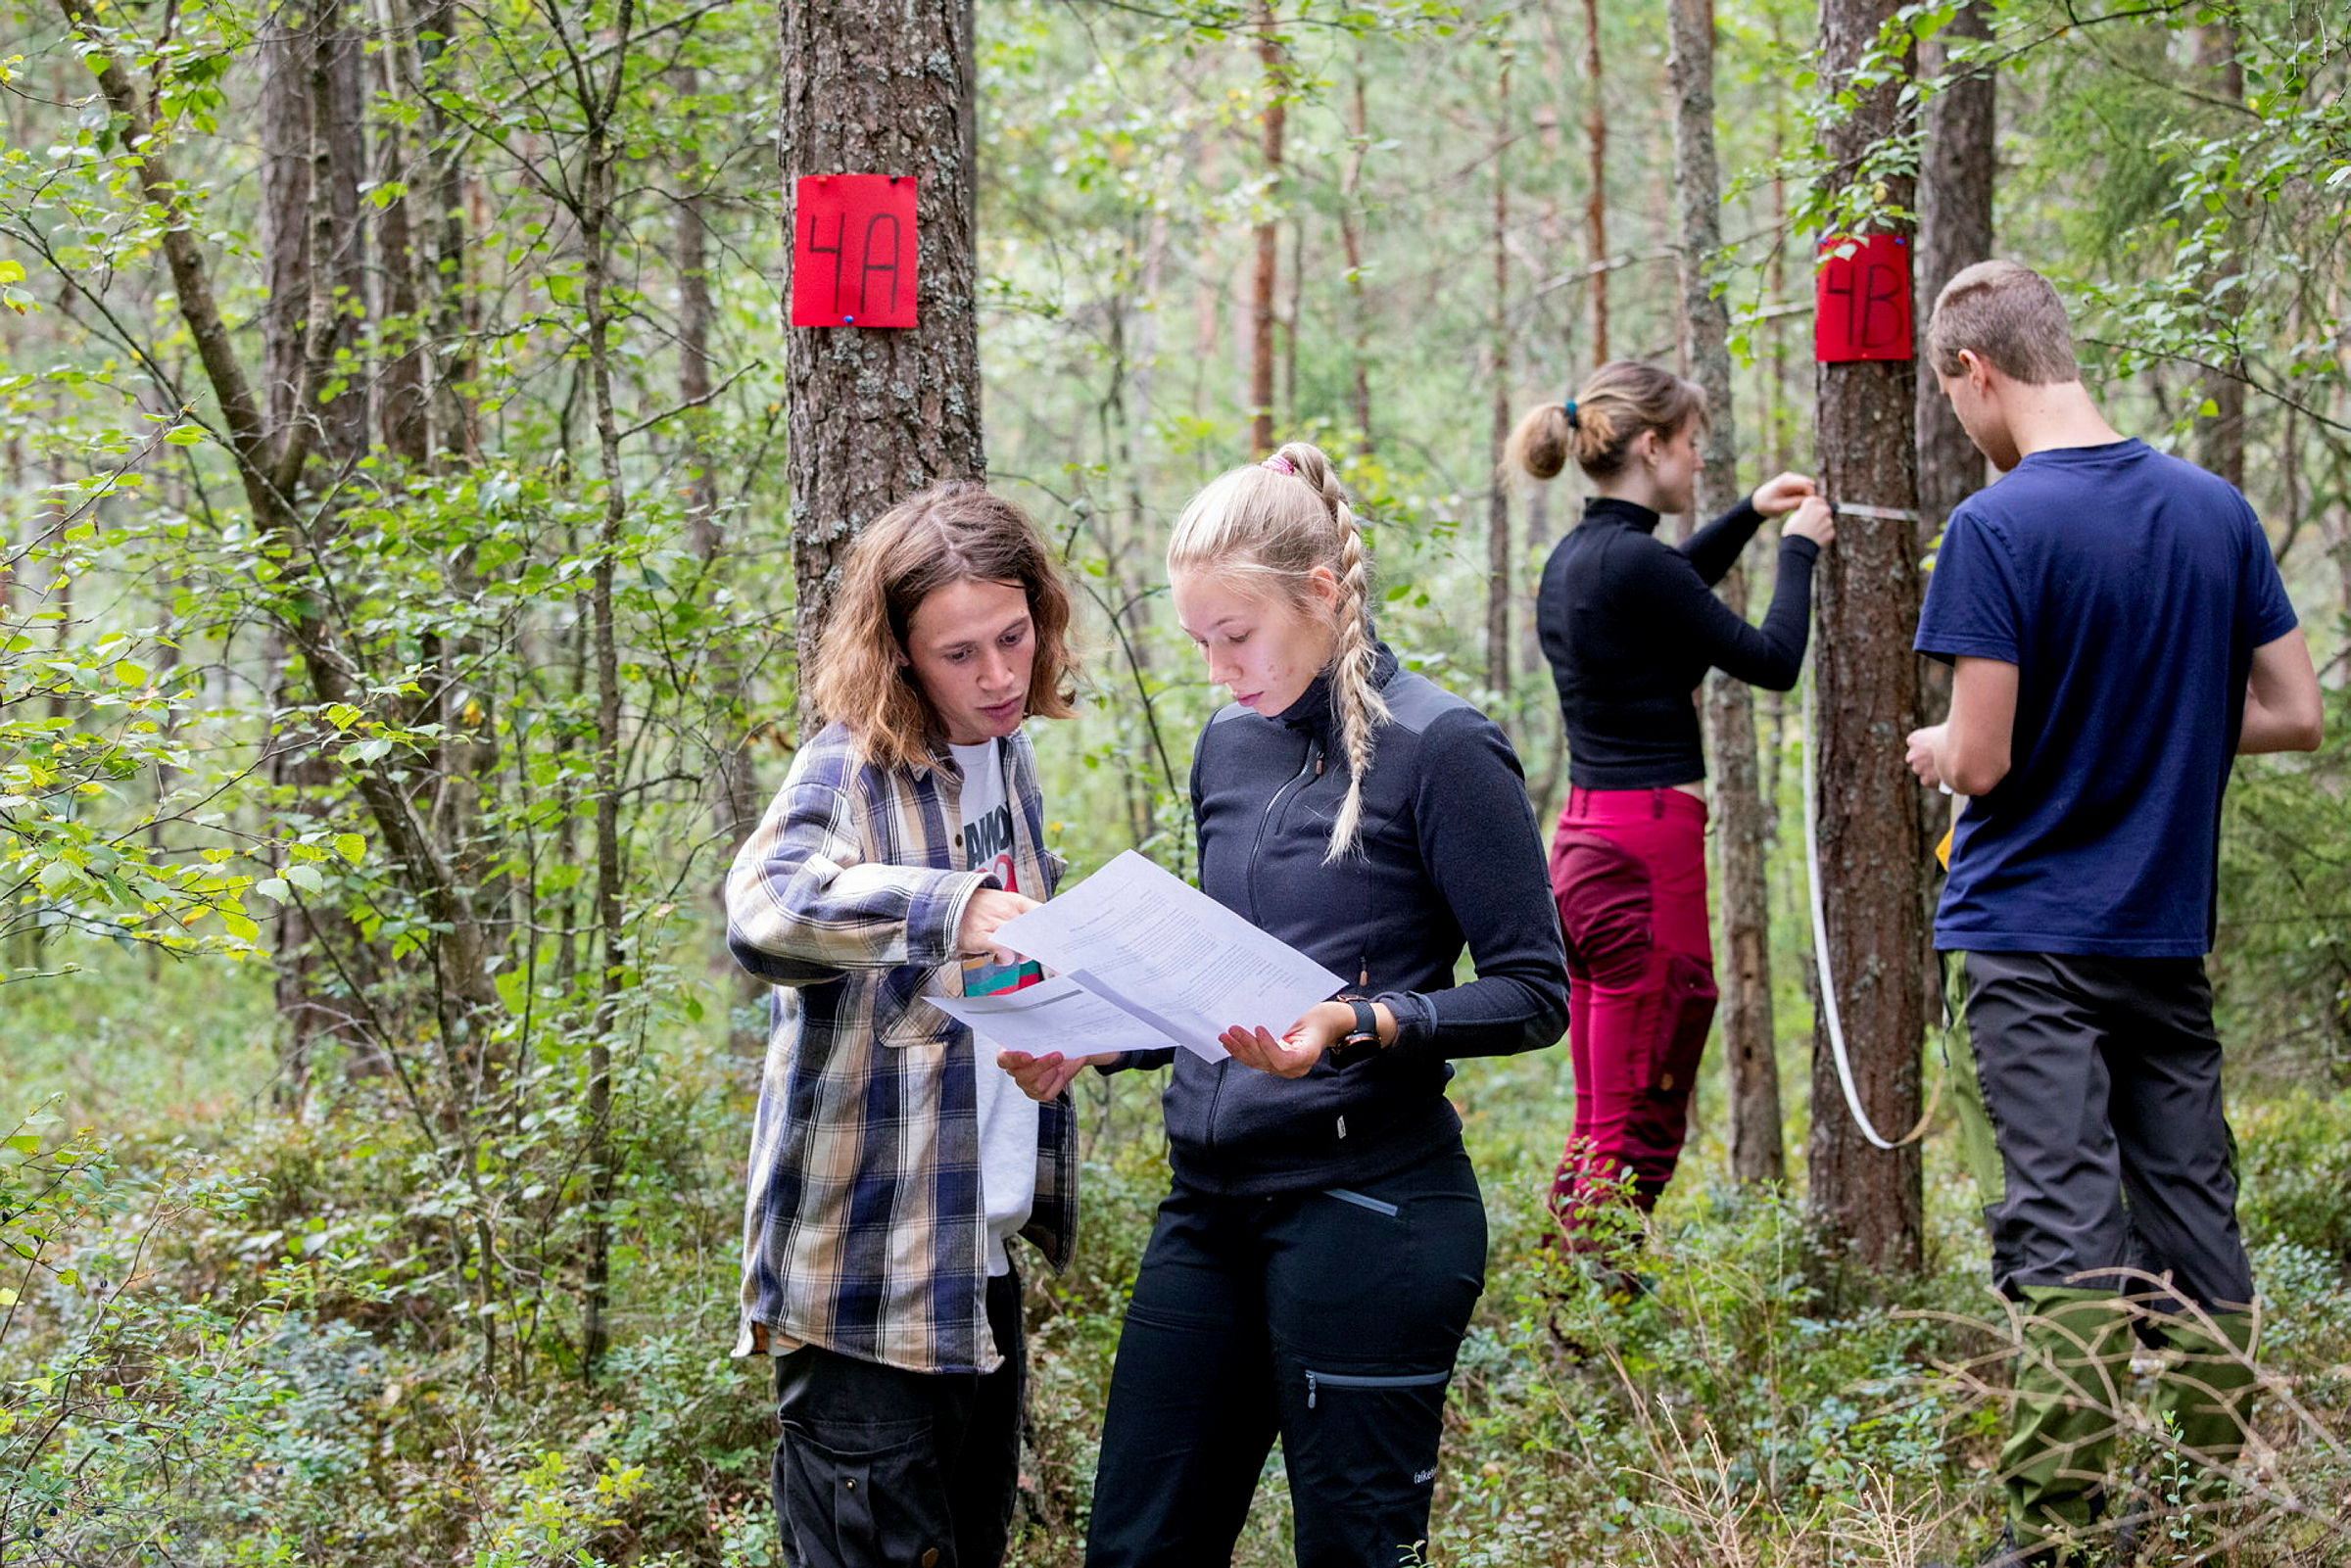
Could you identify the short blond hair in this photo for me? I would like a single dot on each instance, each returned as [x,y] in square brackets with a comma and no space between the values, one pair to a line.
[952,533]
[2010,318]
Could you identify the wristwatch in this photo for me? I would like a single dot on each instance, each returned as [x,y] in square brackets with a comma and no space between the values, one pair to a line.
[1361,1041]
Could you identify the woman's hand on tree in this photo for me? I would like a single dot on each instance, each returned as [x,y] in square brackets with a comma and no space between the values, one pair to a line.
[1295,1054]
[990,907]
[1042,1078]
[1780,493]
[1813,520]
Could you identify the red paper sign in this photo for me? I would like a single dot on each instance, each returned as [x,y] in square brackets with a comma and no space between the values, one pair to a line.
[852,251]
[1862,298]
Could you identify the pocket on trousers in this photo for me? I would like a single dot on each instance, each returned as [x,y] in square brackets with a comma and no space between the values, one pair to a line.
[1362,1200]
[1684,1016]
[1603,891]
[1382,1382]
[864,1498]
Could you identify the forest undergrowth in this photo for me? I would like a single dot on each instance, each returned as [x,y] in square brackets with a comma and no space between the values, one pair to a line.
[231,1335]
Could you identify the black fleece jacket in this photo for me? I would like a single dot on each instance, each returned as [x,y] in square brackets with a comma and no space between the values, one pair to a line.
[1450,859]
[1631,626]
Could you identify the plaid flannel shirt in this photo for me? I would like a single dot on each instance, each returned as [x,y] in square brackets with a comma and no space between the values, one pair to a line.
[863,1229]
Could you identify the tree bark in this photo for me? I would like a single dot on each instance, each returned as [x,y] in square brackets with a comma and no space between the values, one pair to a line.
[1865,1200]
[1957,171]
[401,404]
[2221,435]
[874,415]
[1351,240]
[1269,241]
[311,127]
[1954,231]
[285,216]
[596,216]
[456,424]
[1596,202]
[1499,572]
[729,788]
[1751,1067]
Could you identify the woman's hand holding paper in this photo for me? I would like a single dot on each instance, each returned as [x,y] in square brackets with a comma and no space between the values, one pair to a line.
[1295,1054]
[1042,1078]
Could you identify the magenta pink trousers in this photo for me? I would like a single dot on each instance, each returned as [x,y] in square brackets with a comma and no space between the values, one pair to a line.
[1629,869]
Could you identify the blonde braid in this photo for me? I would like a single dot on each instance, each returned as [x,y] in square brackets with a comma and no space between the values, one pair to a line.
[1354,697]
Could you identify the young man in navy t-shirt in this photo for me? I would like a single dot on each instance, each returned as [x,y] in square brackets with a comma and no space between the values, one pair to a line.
[2120,635]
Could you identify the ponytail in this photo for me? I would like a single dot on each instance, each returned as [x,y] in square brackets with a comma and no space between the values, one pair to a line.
[1284,518]
[1598,426]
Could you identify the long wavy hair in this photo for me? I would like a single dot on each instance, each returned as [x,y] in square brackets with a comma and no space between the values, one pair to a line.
[952,533]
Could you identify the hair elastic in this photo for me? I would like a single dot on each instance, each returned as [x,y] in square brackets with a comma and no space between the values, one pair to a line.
[1574,423]
[1279,464]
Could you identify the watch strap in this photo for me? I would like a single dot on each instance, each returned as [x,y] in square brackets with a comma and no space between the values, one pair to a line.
[1363,1041]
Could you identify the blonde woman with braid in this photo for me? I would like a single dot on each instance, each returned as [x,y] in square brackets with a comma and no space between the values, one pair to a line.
[1313,1266]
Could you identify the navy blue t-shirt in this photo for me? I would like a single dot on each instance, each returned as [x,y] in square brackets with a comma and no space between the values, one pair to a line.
[2129,589]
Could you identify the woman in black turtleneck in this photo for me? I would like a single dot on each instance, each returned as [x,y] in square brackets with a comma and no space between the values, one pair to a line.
[1631,626]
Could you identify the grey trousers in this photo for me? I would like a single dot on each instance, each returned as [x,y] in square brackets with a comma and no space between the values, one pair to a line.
[2100,1080]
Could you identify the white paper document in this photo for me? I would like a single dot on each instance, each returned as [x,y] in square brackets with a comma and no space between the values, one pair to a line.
[1177,966]
[1057,1014]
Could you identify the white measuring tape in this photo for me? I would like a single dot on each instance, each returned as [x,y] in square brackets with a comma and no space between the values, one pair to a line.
[1820,938]
[1884,514]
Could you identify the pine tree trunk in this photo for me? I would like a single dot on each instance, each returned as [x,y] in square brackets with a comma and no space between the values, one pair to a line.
[2221,434]
[285,213]
[1956,175]
[874,415]
[1268,234]
[1351,240]
[1954,232]
[1595,201]
[1499,569]
[1867,1200]
[1744,973]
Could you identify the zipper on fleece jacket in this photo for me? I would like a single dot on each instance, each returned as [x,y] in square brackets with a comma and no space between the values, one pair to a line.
[1306,770]
[1310,768]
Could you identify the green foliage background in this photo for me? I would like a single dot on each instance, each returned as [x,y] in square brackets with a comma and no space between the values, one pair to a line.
[265,1305]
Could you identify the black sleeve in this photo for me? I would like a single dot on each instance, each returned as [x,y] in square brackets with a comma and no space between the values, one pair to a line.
[1479,841]
[1714,548]
[1136,1061]
[1686,612]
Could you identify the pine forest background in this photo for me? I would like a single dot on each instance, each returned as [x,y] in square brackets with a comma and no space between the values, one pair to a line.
[398,631]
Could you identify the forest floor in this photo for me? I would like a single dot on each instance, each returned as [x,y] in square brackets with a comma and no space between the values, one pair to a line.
[311,1388]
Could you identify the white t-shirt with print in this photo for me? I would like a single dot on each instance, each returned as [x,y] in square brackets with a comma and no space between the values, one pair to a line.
[1008,1117]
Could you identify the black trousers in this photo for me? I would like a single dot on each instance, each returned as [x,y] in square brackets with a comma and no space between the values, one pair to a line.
[884,1468]
[2101,1081]
[1330,1317]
